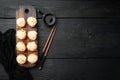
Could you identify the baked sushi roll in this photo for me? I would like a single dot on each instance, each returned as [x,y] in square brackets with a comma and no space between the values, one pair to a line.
[21,34]
[21,59]
[20,46]
[32,35]
[32,58]
[32,21]
[31,46]
[20,22]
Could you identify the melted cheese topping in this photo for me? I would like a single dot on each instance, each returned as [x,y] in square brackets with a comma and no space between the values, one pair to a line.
[21,59]
[21,22]
[20,46]
[32,46]
[31,21]
[21,34]
[32,58]
[32,35]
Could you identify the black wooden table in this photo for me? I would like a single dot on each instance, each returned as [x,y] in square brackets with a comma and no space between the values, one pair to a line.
[86,45]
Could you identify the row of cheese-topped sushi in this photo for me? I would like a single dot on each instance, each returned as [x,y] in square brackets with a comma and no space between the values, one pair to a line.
[26,41]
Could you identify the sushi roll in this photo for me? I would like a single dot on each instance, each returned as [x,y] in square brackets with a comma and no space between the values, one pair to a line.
[21,59]
[20,46]
[31,21]
[32,58]
[32,35]
[20,22]
[31,46]
[21,34]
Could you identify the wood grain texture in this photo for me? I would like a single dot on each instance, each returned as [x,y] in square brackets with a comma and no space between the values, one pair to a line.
[75,69]
[67,9]
[79,38]
[86,45]
[79,69]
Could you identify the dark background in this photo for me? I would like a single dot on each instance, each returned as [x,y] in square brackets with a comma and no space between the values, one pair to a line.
[86,45]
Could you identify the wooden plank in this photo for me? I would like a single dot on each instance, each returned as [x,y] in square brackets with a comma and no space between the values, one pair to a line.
[79,38]
[75,69]
[67,8]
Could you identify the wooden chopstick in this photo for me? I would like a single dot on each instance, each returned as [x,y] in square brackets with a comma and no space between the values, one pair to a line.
[47,46]
[46,51]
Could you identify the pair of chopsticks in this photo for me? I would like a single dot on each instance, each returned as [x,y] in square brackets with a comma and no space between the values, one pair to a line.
[47,46]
